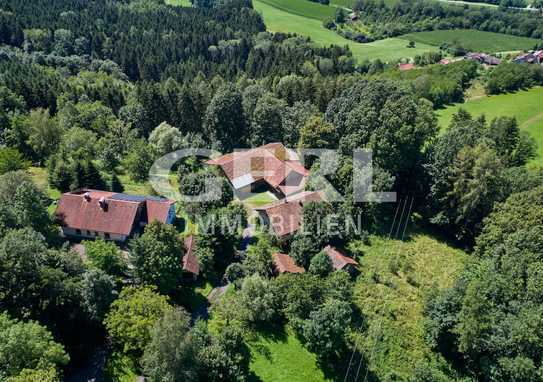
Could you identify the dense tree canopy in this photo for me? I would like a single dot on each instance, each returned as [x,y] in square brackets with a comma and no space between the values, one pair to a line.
[157,257]
[133,315]
[489,319]
[27,345]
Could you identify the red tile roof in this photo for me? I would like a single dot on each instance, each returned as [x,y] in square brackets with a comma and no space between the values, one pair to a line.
[285,218]
[285,264]
[272,162]
[339,260]
[82,210]
[405,67]
[158,210]
[75,211]
[190,261]
[286,215]
[300,197]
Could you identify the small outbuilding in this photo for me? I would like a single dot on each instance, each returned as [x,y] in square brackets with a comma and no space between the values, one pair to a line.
[340,261]
[191,265]
[285,264]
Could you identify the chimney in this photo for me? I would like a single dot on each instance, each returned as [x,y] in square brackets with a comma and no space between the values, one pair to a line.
[103,203]
[87,196]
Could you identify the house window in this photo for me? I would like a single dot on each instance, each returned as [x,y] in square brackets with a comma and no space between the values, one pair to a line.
[78,232]
[107,236]
[95,233]
[88,233]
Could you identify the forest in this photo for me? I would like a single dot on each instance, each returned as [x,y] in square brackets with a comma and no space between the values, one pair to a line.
[92,93]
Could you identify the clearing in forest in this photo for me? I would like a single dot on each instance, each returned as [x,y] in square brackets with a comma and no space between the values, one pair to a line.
[525,105]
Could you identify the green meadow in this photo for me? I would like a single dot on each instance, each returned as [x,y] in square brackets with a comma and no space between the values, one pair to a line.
[525,105]
[473,40]
[280,20]
[280,356]
[303,8]
[397,278]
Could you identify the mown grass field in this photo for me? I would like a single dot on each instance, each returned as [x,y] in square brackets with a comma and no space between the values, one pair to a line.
[278,20]
[525,105]
[279,356]
[396,279]
[304,8]
[473,40]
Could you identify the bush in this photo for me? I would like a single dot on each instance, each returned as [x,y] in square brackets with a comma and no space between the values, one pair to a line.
[105,256]
[12,160]
[321,264]
[508,77]
[329,24]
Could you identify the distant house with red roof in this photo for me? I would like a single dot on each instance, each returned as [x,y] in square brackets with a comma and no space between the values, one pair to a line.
[406,67]
[534,57]
[285,216]
[482,58]
[109,215]
[285,264]
[271,167]
[191,265]
[339,260]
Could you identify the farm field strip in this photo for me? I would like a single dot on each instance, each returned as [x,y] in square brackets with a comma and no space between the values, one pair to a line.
[303,8]
[278,20]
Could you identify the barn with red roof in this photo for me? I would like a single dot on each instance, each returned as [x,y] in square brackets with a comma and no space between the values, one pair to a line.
[271,167]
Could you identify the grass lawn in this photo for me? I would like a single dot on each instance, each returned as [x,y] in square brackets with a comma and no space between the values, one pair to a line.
[278,20]
[525,105]
[395,281]
[137,188]
[39,177]
[259,200]
[473,40]
[279,356]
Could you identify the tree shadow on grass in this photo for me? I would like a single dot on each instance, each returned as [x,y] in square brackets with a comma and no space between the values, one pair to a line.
[253,377]
[274,332]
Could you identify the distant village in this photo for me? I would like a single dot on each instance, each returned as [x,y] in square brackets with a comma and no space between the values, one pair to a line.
[534,57]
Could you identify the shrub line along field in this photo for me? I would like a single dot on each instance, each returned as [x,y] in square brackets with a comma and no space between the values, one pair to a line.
[473,40]
[525,105]
[281,20]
